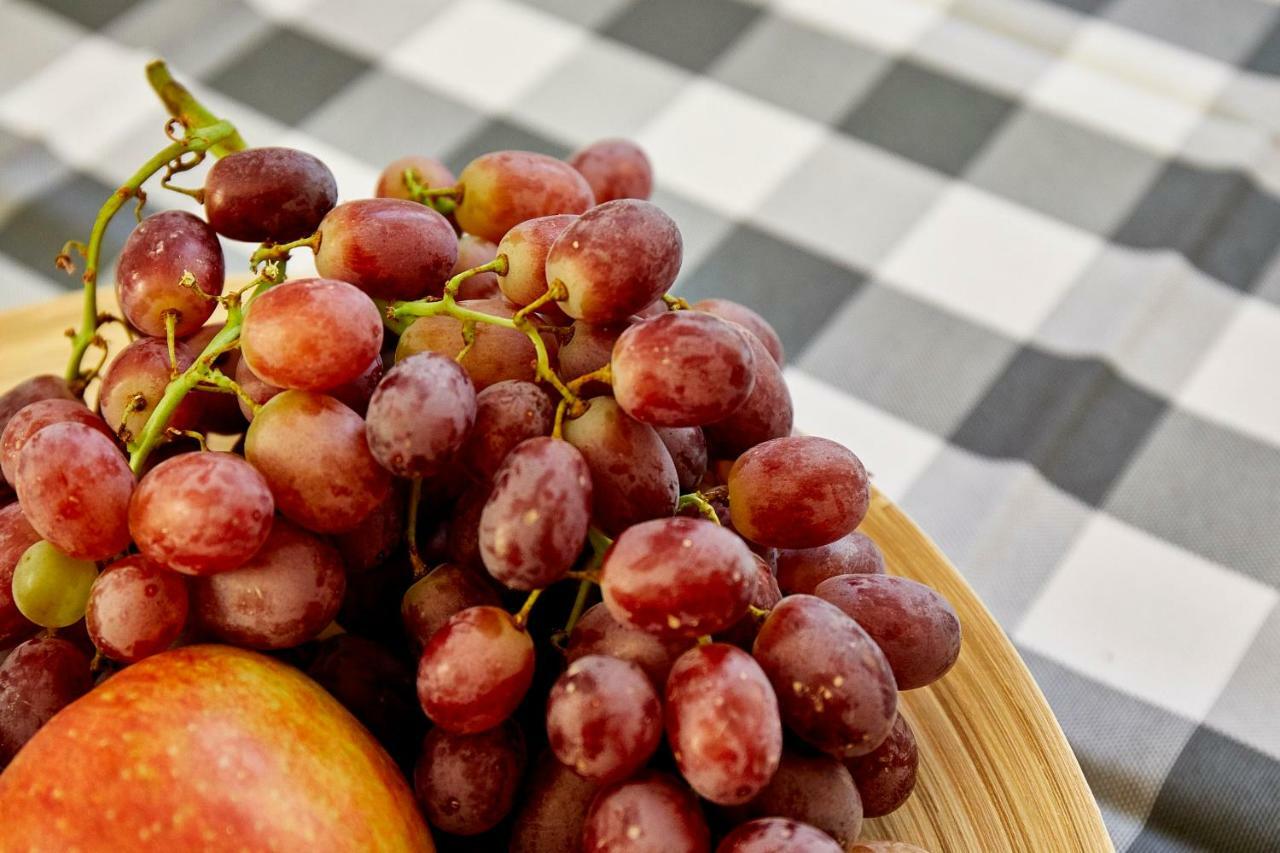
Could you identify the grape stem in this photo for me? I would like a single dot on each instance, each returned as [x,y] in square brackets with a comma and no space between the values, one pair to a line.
[280,251]
[522,617]
[443,200]
[675,303]
[225,383]
[186,108]
[200,139]
[579,605]
[411,529]
[696,499]
[603,374]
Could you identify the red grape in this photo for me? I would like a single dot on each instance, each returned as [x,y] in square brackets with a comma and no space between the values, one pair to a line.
[688,449]
[603,718]
[554,810]
[376,536]
[253,386]
[812,789]
[632,475]
[588,350]
[497,354]
[161,250]
[31,419]
[915,627]
[682,369]
[387,247]
[466,783]
[650,813]
[501,189]
[37,680]
[74,486]
[436,597]
[777,835]
[797,492]
[535,522]
[463,534]
[354,394]
[313,453]
[766,414]
[42,387]
[525,247]
[615,168]
[134,382]
[136,608]
[16,536]
[507,413]
[615,259]
[886,776]
[475,252]
[268,194]
[722,723]
[677,577]
[802,569]
[428,171]
[736,312]
[764,596]
[285,594]
[475,670]
[835,689]
[420,414]
[598,633]
[311,334]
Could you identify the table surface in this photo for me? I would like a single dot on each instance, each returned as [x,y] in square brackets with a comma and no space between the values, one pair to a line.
[1022,254]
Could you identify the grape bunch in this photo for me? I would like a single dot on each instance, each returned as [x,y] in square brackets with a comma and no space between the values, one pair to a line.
[541,525]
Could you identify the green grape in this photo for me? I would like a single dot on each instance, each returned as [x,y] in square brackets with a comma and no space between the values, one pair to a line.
[50,588]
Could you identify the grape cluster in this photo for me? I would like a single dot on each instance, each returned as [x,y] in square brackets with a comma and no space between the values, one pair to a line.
[543,527]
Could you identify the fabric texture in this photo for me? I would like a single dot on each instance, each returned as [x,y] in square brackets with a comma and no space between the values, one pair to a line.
[1022,254]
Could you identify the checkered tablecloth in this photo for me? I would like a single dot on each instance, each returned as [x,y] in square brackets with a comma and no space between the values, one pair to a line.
[1022,254]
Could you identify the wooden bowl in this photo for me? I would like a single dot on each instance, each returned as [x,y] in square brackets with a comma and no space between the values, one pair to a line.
[996,773]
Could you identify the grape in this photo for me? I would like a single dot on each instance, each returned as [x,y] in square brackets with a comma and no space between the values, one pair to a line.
[497,354]
[598,633]
[387,247]
[74,487]
[812,789]
[766,414]
[311,334]
[764,596]
[285,594]
[463,536]
[475,670]
[535,521]
[466,783]
[135,381]
[656,308]
[436,597]
[802,569]
[376,536]
[219,412]
[886,775]
[649,813]
[375,686]
[475,252]
[253,386]
[722,723]
[43,387]
[615,259]
[835,689]
[31,419]
[777,835]
[420,414]
[682,369]
[313,453]
[885,847]
[797,492]
[615,168]
[507,413]
[632,475]
[268,194]
[428,171]
[554,810]
[677,577]
[37,680]
[688,449]
[501,189]
[915,627]
[354,394]
[50,588]
[587,351]
[201,513]
[603,718]
[736,312]
[161,250]
[136,608]
[16,536]
[525,247]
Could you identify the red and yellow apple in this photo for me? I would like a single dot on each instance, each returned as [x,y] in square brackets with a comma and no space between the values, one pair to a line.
[207,747]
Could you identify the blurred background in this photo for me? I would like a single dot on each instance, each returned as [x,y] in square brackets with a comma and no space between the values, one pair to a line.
[1022,254]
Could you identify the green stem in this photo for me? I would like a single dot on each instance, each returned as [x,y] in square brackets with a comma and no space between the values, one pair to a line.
[600,542]
[579,605]
[280,251]
[696,499]
[184,106]
[224,382]
[522,618]
[411,529]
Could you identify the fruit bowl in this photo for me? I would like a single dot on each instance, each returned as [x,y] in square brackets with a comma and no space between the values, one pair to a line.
[996,772]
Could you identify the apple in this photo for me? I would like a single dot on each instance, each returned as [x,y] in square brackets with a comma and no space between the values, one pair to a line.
[207,747]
